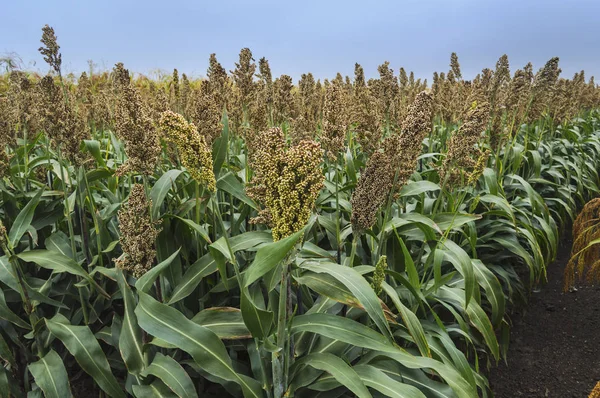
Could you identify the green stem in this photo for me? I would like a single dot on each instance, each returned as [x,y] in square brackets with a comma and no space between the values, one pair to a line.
[84,308]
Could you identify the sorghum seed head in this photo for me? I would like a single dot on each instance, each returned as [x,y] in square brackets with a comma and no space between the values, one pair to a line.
[138,233]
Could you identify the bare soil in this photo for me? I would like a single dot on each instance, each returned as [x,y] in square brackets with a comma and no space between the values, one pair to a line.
[555,342]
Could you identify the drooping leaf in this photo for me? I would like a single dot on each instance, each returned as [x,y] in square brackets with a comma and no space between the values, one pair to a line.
[173,375]
[82,344]
[201,343]
[51,376]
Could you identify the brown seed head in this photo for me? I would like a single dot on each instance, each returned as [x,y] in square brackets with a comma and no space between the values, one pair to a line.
[138,234]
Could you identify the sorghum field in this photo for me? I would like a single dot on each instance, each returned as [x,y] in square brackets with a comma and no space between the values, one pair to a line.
[246,236]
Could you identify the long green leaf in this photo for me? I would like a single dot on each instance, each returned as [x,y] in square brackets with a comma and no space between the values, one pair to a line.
[23,220]
[269,256]
[160,189]
[338,369]
[82,344]
[173,375]
[59,263]
[51,376]
[359,287]
[130,338]
[203,345]
[144,283]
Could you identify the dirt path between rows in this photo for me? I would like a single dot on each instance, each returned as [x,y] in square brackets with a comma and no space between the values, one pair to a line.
[555,342]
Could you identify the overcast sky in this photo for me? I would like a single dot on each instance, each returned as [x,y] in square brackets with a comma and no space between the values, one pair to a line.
[322,37]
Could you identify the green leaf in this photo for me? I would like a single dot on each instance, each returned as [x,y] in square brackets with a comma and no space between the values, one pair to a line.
[338,369]
[203,345]
[130,338]
[206,265]
[144,283]
[82,344]
[258,320]
[477,317]
[230,184]
[51,376]
[360,288]
[5,352]
[410,320]
[225,322]
[158,389]
[418,187]
[9,278]
[7,314]
[172,374]
[269,256]
[4,384]
[357,334]
[493,290]
[93,147]
[160,189]
[462,262]
[378,380]
[195,227]
[221,145]
[23,220]
[59,263]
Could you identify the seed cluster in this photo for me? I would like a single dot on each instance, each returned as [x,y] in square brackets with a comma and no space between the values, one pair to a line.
[286,181]
[134,127]
[195,154]
[138,234]
[379,275]
[465,159]
[387,170]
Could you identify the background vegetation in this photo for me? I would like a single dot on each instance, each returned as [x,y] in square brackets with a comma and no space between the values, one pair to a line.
[242,235]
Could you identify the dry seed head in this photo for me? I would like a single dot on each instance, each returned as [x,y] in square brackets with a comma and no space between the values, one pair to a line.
[138,234]
[464,158]
[396,162]
[305,125]
[387,89]
[196,156]
[364,115]
[455,67]
[283,98]
[265,70]
[243,75]
[596,391]
[334,123]
[359,76]
[50,49]
[204,111]
[134,126]
[372,190]
[185,91]
[63,122]
[584,262]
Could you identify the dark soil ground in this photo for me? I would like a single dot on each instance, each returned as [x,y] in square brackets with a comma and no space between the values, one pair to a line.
[555,342]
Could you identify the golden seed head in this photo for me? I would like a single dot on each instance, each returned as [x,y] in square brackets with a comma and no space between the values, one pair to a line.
[195,155]
[286,181]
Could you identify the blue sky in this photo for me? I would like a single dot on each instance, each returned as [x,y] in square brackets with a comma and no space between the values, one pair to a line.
[322,37]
